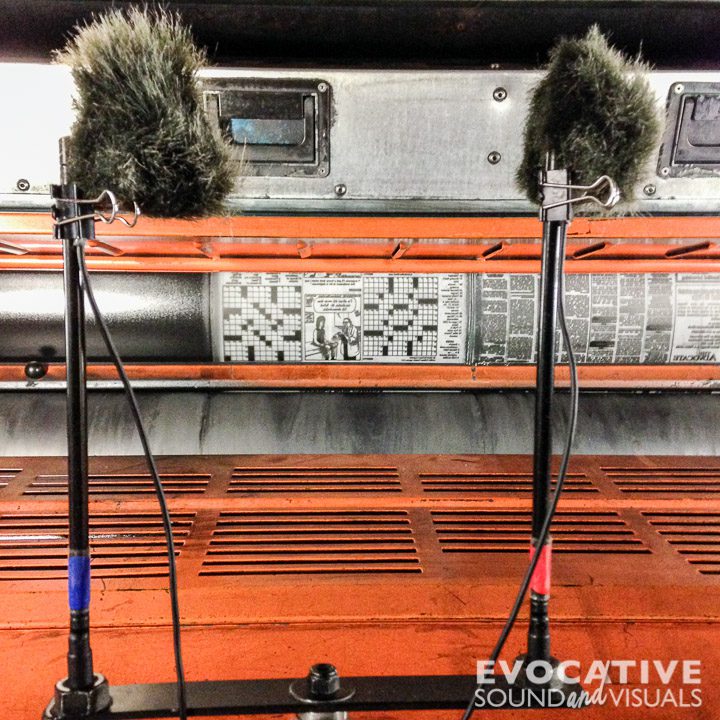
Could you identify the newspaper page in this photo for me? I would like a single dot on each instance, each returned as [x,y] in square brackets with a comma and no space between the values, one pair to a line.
[696,336]
[612,318]
[342,317]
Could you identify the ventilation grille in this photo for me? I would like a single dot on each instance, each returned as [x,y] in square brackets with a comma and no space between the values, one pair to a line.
[674,480]
[347,479]
[287,543]
[496,483]
[694,535]
[483,531]
[7,474]
[123,545]
[124,483]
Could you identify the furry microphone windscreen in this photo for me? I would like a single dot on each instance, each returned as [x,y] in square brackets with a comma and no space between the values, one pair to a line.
[140,127]
[595,111]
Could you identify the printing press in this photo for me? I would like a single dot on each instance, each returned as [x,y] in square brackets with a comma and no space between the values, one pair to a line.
[355,384]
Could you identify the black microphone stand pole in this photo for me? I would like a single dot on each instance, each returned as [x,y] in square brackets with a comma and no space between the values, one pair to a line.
[555,222]
[82,693]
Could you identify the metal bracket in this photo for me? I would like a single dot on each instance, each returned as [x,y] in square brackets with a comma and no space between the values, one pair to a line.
[371,694]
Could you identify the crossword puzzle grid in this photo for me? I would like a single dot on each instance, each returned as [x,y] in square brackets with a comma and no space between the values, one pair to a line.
[400,316]
[262,323]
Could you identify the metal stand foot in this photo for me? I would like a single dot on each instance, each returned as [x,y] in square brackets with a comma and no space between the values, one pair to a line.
[75,704]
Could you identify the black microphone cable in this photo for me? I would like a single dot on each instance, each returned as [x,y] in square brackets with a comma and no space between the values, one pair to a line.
[562,473]
[152,467]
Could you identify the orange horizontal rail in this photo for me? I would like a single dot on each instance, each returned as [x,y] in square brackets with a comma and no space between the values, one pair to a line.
[378,227]
[351,376]
[357,265]
[369,244]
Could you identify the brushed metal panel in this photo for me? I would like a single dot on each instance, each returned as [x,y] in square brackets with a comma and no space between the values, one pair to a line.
[402,141]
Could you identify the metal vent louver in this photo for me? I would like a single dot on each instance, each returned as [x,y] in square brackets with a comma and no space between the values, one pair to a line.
[285,543]
[507,531]
[123,484]
[694,535]
[7,474]
[494,483]
[315,479]
[124,545]
[640,480]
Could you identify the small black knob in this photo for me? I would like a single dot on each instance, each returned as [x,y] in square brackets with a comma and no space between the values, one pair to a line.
[35,370]
[323,680]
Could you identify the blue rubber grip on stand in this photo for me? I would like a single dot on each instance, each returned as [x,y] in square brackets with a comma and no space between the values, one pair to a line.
[79,582]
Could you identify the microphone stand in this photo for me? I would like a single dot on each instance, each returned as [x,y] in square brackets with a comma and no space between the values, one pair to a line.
[83,693]
[556,213]
[555,221]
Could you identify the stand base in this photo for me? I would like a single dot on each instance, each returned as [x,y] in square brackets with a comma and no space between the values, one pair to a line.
[76,704]
[268,697]
[556,691]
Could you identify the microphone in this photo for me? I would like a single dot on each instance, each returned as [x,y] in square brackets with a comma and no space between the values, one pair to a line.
[594,112]
[140,127]
[593,124]
[591,127]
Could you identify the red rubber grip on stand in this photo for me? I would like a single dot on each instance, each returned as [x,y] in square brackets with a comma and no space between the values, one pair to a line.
[540,581]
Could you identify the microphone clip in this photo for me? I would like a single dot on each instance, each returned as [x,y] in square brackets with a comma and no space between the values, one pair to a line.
[559,195]
[106,197]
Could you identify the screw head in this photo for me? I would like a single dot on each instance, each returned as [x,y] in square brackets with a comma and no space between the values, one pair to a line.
[678,88]
[650,190]
[341,189]
[494,157]
[322,171]
[499,94]
[22,185]
[665,171]
[494,66]
[322,87]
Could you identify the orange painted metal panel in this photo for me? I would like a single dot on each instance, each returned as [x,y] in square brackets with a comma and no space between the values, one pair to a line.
[636,568]
[130,655]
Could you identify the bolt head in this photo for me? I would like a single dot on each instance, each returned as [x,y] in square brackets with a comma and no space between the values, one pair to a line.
[650,190]
[494,157]
[323,680]
[22,185]
[341,189]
